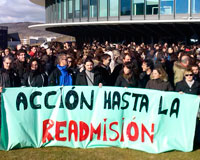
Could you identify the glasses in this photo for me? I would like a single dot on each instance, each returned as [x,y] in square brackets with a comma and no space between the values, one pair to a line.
[188,75]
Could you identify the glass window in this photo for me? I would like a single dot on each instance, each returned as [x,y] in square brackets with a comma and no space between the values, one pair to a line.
[152,7]
[70,10]
[65,9]
[114,5]
[85,8]
[93,8]
[54,14]
[77,9]
[59,5]
[182,6]
[103,5]
[195,6]
[138,7]
[125,7]
[166,6]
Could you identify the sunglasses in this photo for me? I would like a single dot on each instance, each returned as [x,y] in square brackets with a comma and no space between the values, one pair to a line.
[188,75]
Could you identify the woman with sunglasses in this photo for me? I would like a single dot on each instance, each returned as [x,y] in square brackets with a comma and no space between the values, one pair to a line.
[188,84]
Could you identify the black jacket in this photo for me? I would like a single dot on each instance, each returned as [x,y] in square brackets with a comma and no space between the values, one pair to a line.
[144,78]
[122,82]
[105,72]
[34,79]
[81,78]
[9,78]
[183,86]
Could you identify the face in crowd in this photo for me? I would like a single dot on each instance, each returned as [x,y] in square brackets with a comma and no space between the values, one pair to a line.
[34,65]
[155,74]
[63,61]
[195,70]
[107,61]
[127,58]
[21,57]
[188,76]
[69,62]
[7,63]
[144,67]
[126,70]
[89,66]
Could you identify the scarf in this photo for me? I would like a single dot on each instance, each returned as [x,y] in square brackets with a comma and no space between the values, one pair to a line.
[65,79]
[90,78]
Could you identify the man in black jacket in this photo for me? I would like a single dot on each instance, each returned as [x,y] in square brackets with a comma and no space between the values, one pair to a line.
[20,64]
[8,77]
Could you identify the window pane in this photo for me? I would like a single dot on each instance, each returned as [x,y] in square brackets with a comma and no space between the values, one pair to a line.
[152,7]
[195,6]
[114,5]
[93,8]
[138,7]
[125,7]
[85,8]
[103,8]
[59,9]
[64,9]
[77,9]
[70,15]
[182,6]
[166,6]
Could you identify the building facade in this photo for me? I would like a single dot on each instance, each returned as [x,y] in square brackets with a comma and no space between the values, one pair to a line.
[118,20]
[3,37]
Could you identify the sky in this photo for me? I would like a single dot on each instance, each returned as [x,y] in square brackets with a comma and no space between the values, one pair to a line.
[12,11]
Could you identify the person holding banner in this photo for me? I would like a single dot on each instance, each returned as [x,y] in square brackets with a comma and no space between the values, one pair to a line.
[60,76]
[8,77]
[34,77]
[188,84]
[158,80]
[89,76]
[127,78]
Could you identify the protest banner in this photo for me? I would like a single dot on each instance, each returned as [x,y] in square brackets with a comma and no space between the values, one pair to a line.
[88,117]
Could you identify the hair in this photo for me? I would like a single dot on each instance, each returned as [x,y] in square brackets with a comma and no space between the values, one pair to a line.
[21,51]
[194,65]
[59,57]
[149,63]
[129,65]
[125,54]
[38,62]
[187,71]
[161,71]
[105,56]
[7,57]
[88,59]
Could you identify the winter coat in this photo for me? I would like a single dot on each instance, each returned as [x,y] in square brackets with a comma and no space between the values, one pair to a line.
[122,82]
[82,80]
[105,72]
[9,78]
[178,72]
[159,84]
[183,86]
[143,79]
[34,79]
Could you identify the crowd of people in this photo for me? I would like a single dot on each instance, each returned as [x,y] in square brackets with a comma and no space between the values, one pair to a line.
[166,67]
[163,67]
